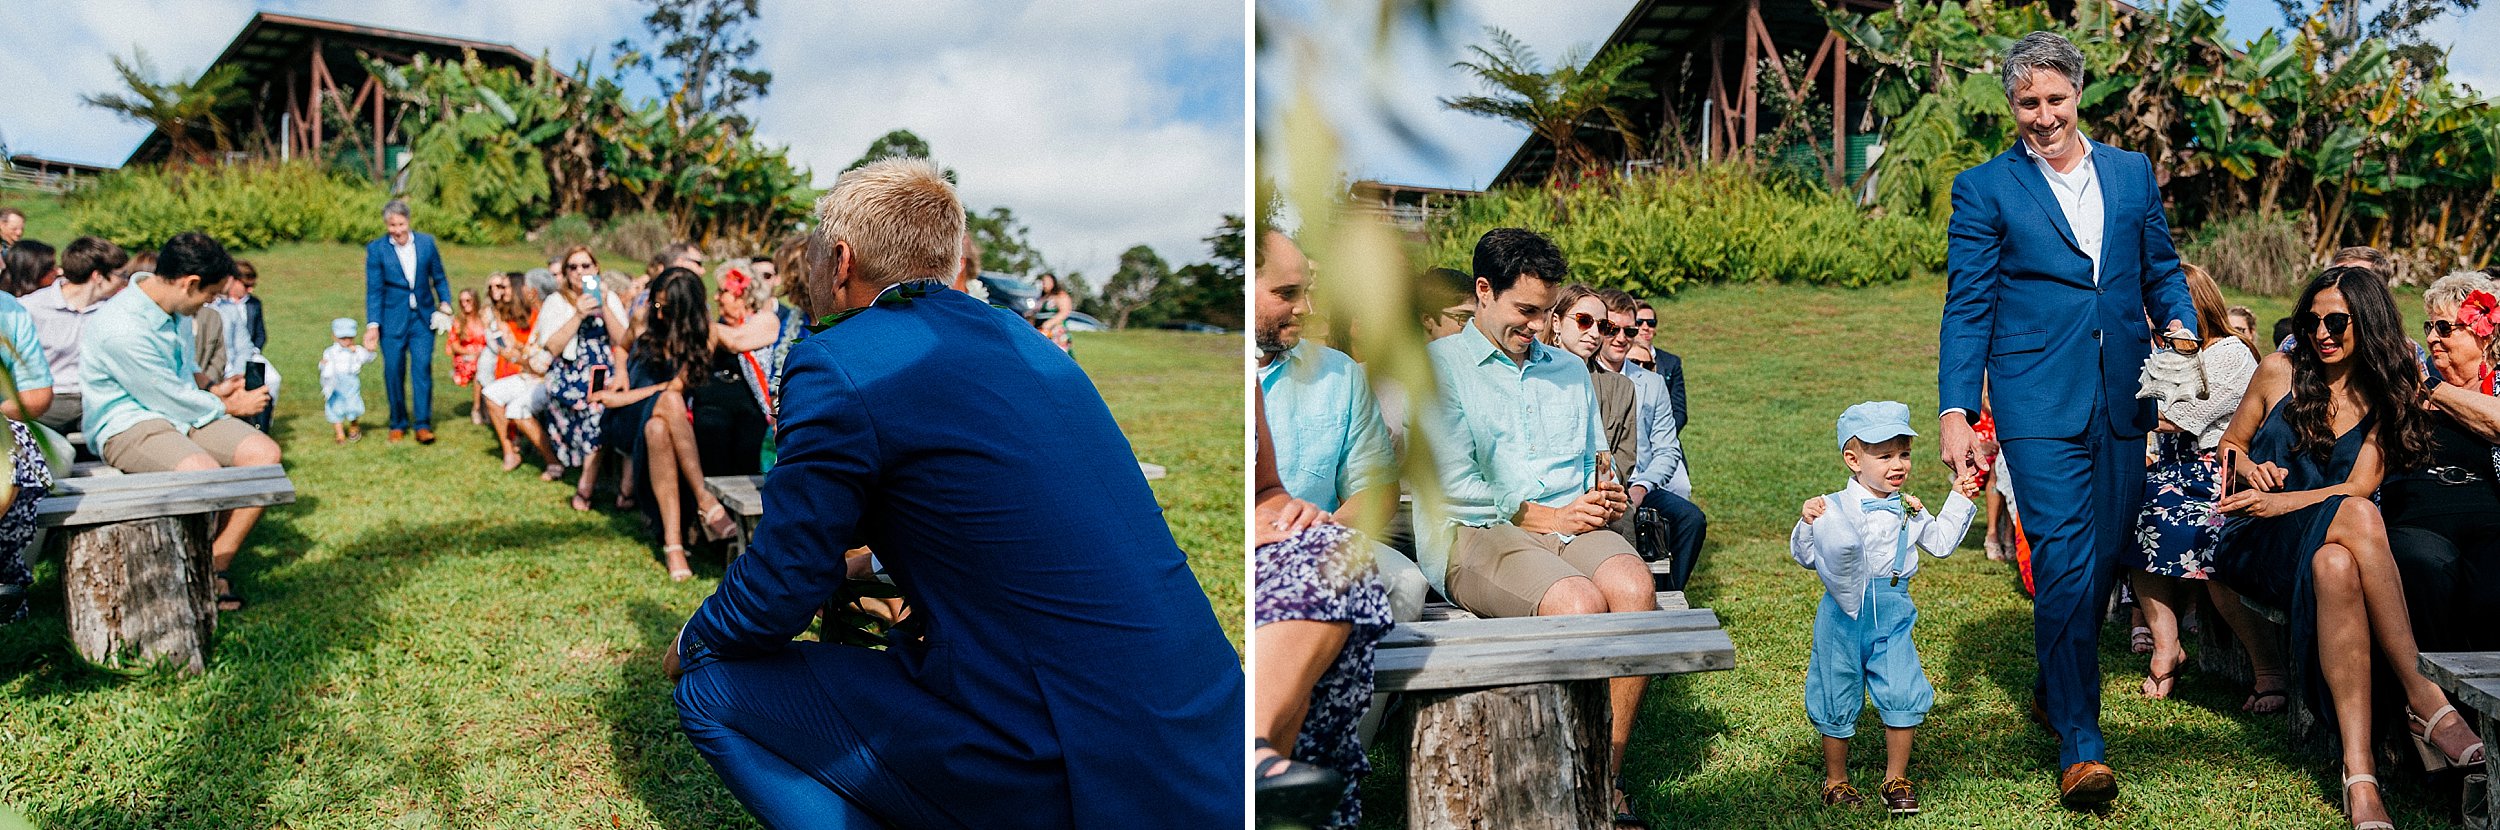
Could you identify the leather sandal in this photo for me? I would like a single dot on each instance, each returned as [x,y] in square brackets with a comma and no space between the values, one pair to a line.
[678,572]
[1625,819]
[2434,756]
[1299,795]
[227,599]
[717,524]
[2372,824]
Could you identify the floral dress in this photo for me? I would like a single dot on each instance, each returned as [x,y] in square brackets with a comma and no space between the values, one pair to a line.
[17,521]
[572,420]
[1326,573]
[2176,531]
[471,337]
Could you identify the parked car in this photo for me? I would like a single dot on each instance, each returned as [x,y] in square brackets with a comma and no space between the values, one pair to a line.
[1193,327]
[1081,321]
[1011,292]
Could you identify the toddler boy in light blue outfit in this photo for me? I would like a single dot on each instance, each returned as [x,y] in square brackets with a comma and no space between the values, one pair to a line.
[1859,541]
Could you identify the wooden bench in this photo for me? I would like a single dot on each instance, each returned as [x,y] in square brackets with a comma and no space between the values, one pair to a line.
[1509,719]
[744,497]
[2474,678]
[138,582]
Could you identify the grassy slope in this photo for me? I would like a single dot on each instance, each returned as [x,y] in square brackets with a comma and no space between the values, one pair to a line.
[1768,369]
[435,644]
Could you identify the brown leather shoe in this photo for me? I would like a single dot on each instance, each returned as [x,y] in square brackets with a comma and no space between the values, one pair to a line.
[425,436]
[1899,797]
[397,434]
[2040,718]
[1842,795]
[2088,785]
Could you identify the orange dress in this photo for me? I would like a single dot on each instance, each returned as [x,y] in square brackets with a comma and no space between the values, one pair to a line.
[466,340]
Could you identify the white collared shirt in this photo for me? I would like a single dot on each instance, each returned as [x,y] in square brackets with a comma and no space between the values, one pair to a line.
[408,265]
[2078,195]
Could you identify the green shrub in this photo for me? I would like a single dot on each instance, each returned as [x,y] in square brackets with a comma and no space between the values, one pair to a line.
[565,232]
[1653,234]
[638,236]
[2254,252]
[249,206]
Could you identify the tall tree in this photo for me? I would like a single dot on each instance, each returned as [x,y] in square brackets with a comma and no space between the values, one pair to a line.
[899,144]
[706,47]
[186,113]
[1140,275]
[1553,105]
[1006,244]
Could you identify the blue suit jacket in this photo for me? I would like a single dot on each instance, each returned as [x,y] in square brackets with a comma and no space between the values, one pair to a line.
[386,286]
[2021,310]
[1068,671]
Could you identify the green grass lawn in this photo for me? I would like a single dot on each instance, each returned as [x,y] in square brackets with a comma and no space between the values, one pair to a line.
[1769,368]
[433,643]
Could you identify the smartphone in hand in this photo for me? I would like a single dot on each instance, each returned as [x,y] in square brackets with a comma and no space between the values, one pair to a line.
[255,375]
[2230,470]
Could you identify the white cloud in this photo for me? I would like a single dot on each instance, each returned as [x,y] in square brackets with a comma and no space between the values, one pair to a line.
[1081,115]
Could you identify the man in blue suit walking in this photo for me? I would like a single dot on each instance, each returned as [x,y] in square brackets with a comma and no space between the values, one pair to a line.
[405,287]
[2058,254]
[1060,667]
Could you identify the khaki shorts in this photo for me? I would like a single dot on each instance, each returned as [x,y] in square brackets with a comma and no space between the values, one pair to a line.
[152,446]
[1503,571]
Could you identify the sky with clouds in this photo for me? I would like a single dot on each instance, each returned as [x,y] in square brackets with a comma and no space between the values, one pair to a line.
[1101,123]
[1458,150]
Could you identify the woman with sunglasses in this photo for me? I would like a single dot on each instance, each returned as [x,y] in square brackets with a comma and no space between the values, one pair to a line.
[2444,521]
[2175,533]
[2317,430]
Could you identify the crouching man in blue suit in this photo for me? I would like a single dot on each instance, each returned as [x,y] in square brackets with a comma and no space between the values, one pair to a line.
[2058,254]
[1060,667]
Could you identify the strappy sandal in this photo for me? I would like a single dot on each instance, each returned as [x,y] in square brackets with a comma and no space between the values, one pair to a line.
[1298,796]
[2256,702]
[227,599]
[2435,757]
[1624,818]
[2140,640]
[717,524]
[2372,824]
[678,572]
[581,502]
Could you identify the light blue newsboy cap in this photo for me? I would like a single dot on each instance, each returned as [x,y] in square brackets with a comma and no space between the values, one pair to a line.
[1875,422]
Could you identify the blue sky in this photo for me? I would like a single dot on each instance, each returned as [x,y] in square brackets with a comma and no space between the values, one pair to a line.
[1102,123]
[1466,151]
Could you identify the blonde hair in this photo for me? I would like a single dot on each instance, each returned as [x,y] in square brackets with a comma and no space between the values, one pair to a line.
[899,218]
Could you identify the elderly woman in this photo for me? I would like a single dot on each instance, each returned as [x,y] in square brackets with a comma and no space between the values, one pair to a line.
[2444,521]
[2318,430]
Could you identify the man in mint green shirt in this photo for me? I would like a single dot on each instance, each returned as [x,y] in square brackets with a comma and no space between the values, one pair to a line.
[1516,441]
[144,413]
[29,370]
[1332,448]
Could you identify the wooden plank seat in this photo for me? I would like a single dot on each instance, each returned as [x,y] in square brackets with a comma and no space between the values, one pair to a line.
[2474,678]
[1507,720]
[138,582]
[744,498]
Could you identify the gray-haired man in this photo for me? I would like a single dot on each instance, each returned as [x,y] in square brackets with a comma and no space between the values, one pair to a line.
[405,288]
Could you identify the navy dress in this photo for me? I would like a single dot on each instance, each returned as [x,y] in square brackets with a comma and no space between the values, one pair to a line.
[2267,559]
[1065,669]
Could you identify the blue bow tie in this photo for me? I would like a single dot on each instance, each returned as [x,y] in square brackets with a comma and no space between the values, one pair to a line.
[1891,503]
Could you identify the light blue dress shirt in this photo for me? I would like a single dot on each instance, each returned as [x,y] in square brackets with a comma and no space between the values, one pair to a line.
[24,357]
[1330,441]
[134,355]
[1507,434]
[1662,450]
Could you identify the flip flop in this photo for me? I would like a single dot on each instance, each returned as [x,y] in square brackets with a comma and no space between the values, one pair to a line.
[226,595]
[2256,701]
[1299,796]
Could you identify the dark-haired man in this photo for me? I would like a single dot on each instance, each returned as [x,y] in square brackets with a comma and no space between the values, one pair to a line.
[12,227]
[144,415]
[1517,438]
[90,274]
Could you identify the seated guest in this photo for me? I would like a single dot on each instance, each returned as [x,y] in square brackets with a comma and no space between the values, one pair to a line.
[144,415]
[2444,521]
[1331,444]
[246,334]
[91,272]
[1670,368]
[1066,670]
[26,267]
[519,389]
[1659,483]
[1321,610]
[2379,265]
[1525,534]
[1579,326]
[2315,434]
[648,419]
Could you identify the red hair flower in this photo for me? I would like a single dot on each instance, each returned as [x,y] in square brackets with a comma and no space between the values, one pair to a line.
[2478,313]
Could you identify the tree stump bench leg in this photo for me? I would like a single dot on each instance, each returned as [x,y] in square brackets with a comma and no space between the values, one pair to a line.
[140,592]
[1527,757]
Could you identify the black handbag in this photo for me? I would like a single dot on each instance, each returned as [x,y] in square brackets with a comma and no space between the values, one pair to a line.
[1649,534]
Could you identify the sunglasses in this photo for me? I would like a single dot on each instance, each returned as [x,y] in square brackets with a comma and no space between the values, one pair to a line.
[1460,317]
[2307,322]
[1645,322]
[2441,328]
[580,266]
[2182,343]
[1605,327]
